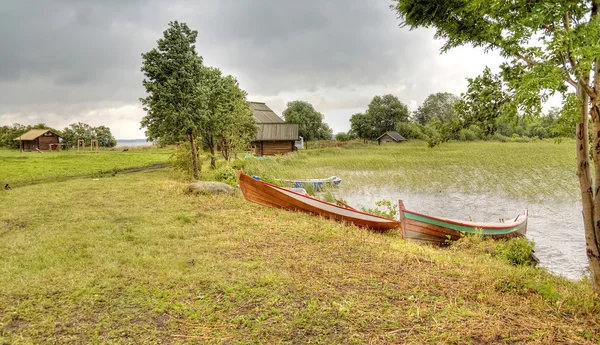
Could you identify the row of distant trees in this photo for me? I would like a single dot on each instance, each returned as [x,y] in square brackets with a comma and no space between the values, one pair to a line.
[483,112]
[69,135]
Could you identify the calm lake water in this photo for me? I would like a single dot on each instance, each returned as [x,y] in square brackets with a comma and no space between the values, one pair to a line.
[556,227]
[133,142]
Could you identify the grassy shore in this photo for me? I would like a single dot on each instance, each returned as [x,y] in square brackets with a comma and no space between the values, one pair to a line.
[133,258]
[19,169]
[535,171]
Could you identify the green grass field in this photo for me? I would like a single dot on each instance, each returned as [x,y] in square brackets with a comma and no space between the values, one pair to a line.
[30,167]
[133,258]
[533,171]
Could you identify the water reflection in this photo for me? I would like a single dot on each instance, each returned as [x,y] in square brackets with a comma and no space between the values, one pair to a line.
[556,227]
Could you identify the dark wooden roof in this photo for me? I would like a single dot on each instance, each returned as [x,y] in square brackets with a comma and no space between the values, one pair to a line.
[277,131]
[392,134]
[34,134]
[264,114]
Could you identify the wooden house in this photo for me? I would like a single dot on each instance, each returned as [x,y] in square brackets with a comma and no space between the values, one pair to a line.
[39,139]
[275,136]
[390,137]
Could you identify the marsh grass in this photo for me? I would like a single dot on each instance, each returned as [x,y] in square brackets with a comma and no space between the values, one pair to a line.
[135,259]
[533,171]
[18,169]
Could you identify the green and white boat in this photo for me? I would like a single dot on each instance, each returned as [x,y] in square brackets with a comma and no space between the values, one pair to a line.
[422,227]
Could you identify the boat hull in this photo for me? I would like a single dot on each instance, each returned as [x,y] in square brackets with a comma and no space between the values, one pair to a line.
[420,227]
[270,195]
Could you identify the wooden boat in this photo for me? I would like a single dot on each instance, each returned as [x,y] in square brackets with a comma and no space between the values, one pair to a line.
[267,194]
[316,183]
[421,227]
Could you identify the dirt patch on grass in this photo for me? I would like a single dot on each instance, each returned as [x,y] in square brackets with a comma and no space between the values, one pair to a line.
[8,225]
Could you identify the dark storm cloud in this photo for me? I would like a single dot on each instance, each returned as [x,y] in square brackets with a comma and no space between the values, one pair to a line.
[277,45]
[72,58]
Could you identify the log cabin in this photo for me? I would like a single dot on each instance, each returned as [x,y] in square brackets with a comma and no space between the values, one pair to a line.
[275,136]
[38,140]
[390,137]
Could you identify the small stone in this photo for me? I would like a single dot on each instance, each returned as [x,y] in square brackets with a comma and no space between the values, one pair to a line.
[211,187]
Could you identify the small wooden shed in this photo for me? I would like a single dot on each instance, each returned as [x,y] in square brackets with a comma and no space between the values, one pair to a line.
[275,136]
[38,139]
[390,137]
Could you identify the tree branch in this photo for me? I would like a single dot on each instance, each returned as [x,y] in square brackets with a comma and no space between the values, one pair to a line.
[583,82]
[567,73]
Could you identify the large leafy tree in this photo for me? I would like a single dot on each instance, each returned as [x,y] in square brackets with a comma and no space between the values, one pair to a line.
[485,102]
[310,122]
[437,107]
[227,119]
[361,126]
[384,112]
[176,98]
[551,46]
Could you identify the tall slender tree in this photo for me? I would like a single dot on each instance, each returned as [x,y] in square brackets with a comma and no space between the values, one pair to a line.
[176,98]
[552,46]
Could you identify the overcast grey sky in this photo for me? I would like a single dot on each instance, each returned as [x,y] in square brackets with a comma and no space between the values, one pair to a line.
[65,61]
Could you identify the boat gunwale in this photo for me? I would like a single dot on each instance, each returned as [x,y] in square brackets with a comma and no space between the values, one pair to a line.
[472,224]
[280,189]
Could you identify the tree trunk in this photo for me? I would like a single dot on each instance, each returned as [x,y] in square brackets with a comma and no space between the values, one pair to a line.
[211,145]
[194,155]
[590,200]
[226,150]
[592,235]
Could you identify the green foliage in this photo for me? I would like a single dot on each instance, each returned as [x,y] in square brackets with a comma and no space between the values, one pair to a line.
[390,210]
[466,134]
[546,290]
[9,133]
[180,158]
[310,122]
[176,97]
[226,119]
[341,136]
[568,44]
[411,130]
[484,103]
[237,124]
[516,251]
[499,137]
[382,115]
[186,99]
[225,174]
[437,107]
[568,117]
[83,131]
[384,112]
[173,74]
[69,135]
[360,124]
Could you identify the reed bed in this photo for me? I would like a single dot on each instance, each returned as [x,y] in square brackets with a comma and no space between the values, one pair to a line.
[534,171]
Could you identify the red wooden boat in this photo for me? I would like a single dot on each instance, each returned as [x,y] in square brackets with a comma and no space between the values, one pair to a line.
[267,194]
[421,227]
